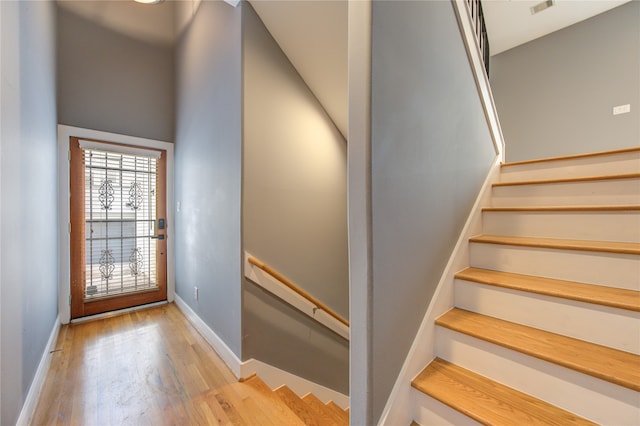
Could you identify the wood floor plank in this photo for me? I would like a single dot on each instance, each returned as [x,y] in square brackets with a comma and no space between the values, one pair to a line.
[147,367]
[486,401]
[560,244]
[598,361]
[589,293]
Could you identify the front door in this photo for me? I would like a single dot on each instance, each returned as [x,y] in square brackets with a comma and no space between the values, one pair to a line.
[117,210]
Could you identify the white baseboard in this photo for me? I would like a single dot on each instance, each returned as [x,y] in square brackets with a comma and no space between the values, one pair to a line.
[112,314]
[274,378]
[399,407]
[29,406]
[221,348]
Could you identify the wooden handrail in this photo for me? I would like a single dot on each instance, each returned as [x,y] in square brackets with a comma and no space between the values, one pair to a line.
[275,274]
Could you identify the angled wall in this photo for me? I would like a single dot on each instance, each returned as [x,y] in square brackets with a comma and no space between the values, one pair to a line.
[28,236]
[208,168]
[294,212]
[555,94]
[430,153]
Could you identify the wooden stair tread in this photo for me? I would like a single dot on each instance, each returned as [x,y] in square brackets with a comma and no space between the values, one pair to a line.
[271,403]
[605,363]
[567,180]
[486,401]
[561,244]
[328,417]
[302,410]
[571,157]
[589,293]
[335,408]
[563,208]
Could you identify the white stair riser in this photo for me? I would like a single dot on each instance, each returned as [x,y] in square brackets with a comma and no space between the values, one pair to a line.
[586,396]
[586,225]
[429,411]
[579,320]
[614,192]
[607,269]
[579,167]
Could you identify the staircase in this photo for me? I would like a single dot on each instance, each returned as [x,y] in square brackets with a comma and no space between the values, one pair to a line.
[255,403]
[546,323]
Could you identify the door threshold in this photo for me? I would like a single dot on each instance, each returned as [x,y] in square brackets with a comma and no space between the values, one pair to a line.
[117,312]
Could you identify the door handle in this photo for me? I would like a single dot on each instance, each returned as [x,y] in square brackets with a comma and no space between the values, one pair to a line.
[158,237]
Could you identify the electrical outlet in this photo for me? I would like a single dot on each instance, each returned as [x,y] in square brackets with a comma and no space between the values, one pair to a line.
[621,109]
[195,293]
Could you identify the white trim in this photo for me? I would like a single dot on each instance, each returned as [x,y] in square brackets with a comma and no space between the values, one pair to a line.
[274,378]
[279,289]
[37,383]
[111,314]
[482,80]
[221,348]
[120,149]
[64,133]
[399,407]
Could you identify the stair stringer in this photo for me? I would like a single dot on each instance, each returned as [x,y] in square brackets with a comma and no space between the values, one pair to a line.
[400,406]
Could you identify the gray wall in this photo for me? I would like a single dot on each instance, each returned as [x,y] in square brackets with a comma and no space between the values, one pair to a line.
[208,163]
[555,95]
[431,151]
[279,335]
[294,212]
[111,82]
[28,236]
[295,173]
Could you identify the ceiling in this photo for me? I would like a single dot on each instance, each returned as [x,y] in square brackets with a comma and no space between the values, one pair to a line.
[313,33]
[510,23]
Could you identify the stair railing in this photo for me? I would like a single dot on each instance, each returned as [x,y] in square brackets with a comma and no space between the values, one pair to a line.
[296,296]
[474,34]
[480,29]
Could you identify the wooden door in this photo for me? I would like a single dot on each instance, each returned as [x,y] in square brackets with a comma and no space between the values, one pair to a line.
[118,241]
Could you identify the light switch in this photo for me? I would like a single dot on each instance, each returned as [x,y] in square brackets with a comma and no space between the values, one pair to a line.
[621,109]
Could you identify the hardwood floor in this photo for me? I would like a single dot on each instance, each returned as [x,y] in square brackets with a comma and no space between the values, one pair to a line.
[148,367]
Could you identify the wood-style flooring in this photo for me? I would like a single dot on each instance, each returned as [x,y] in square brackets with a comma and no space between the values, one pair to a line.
[147,367]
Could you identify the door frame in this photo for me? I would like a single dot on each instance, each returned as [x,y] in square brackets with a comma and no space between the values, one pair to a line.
[64,244]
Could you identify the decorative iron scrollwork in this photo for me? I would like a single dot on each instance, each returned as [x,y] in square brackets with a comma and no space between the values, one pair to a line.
[136,196]
[105,194]
[107,264]
[136,261]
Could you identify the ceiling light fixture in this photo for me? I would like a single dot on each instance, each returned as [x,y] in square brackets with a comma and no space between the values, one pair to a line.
[149,1]
[541,6]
